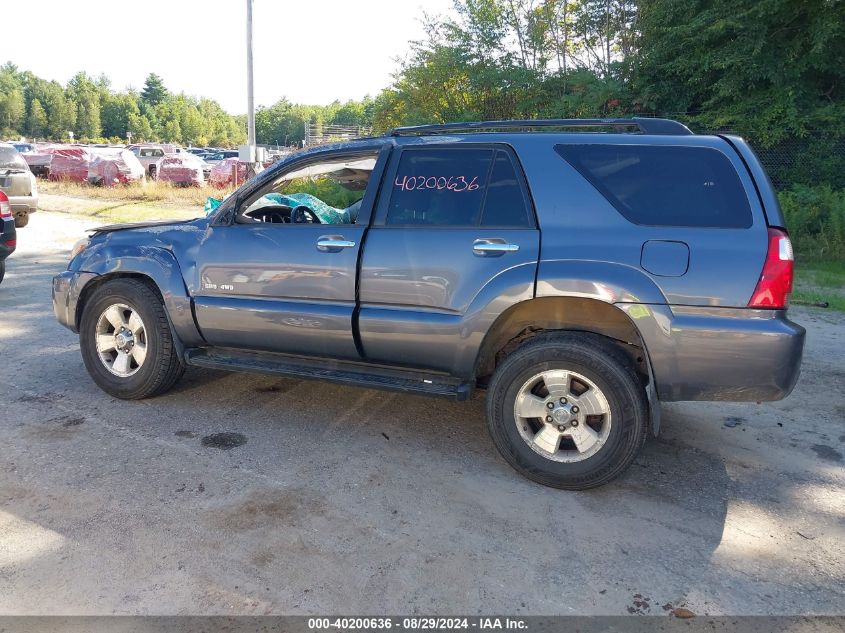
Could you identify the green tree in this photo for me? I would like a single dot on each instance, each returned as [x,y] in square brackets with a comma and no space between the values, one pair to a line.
[12,103]
[12,111]
[61,113]
[767,68]
[115,114]
[154,91]
[84,93]
[139,127]
[172,132]
[37,121]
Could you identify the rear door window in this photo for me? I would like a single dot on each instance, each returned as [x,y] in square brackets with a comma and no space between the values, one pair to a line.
[664,185]
[457,187]
[505,203]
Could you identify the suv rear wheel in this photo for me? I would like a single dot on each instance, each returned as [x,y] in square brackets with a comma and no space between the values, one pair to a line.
[21,220]
[126,342]
[567,410]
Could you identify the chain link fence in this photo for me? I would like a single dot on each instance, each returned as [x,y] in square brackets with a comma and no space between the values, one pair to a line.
[814,159]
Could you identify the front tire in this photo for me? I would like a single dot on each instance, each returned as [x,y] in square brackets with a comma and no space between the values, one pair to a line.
[126,341]
[567,410]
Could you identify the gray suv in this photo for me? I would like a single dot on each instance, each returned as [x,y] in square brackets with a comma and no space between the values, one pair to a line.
[578,271]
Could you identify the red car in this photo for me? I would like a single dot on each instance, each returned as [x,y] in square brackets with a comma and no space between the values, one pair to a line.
[180,169]
[8,236]
[117,167]
[228,172]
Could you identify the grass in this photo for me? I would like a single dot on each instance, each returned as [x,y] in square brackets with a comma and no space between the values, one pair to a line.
[130,203]
[820,281]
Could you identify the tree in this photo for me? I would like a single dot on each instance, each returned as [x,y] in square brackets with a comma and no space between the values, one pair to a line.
[154,91]
[172,132]
[61,113]
[82,91]
[139,127]
[769,69]
[12,111]
[12,104]
[115,114]
[37,121]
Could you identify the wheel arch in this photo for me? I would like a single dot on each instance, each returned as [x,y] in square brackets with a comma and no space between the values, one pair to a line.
[527,319]
[159,269]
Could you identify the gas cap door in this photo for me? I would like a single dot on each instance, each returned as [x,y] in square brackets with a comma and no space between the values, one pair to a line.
[665,258]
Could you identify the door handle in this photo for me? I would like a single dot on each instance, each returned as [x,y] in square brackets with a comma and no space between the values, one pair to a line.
[493,247]
[333,243]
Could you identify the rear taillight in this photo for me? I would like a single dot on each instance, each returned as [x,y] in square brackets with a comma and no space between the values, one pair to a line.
[5,207]
[775,283]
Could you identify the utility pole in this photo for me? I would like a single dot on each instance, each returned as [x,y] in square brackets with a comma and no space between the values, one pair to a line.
[250,100]
[249,154]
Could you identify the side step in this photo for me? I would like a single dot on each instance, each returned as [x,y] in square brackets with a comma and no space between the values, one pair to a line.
[338,371]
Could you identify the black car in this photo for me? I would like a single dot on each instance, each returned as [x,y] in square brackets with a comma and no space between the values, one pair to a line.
[8,237]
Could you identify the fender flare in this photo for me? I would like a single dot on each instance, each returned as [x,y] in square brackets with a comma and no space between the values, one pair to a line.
[157,264]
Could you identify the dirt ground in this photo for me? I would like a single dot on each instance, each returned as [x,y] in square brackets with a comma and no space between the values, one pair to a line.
[321,498]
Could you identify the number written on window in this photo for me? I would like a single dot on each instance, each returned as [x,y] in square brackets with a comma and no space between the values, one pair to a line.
[456,184]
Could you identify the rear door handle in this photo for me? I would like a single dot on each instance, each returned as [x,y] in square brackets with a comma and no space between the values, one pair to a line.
[333,243]
[493,247]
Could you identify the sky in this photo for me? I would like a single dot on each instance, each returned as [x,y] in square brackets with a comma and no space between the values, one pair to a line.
[311,51]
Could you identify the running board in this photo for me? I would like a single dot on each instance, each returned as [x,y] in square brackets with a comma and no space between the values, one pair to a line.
[338,371]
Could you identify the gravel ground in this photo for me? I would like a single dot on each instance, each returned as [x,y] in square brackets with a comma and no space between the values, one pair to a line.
[341,500]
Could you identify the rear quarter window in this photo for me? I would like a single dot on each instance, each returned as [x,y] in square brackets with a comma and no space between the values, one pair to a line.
[657,185]
[11,159]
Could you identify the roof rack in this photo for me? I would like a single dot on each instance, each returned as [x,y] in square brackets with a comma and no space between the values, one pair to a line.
[644,125]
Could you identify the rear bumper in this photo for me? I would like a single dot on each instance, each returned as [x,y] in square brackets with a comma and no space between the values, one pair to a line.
[67,286]
[25,204]
[739,355]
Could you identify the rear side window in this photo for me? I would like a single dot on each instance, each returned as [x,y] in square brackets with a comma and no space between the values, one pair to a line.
[11,159]
[664,185]
[457,187]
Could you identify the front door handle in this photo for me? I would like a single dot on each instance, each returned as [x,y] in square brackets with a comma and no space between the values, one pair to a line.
[333,243]
[493,247]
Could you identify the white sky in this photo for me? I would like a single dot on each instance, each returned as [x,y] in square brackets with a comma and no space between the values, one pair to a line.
[311,51]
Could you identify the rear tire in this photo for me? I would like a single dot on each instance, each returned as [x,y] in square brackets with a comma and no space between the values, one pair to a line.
[152,173]
[584,443]
[131,305]
[21,220]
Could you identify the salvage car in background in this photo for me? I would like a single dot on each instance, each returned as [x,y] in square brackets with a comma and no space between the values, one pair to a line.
[180,169]
[18,183]
[228,172]
[149,155]
[111,167]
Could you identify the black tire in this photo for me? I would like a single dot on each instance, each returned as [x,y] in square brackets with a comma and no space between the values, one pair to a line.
[21,220]
[2,269]
[596,359]
[161,368]
[153,172]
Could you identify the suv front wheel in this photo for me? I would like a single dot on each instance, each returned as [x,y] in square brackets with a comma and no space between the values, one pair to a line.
[567,410]
[126,342]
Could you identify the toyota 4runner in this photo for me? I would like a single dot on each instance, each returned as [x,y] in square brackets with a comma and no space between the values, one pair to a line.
[579,271]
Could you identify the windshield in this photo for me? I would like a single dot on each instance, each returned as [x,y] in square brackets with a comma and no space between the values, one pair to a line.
[11,159]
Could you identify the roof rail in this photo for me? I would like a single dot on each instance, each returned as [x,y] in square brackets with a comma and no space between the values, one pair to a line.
[644,125]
